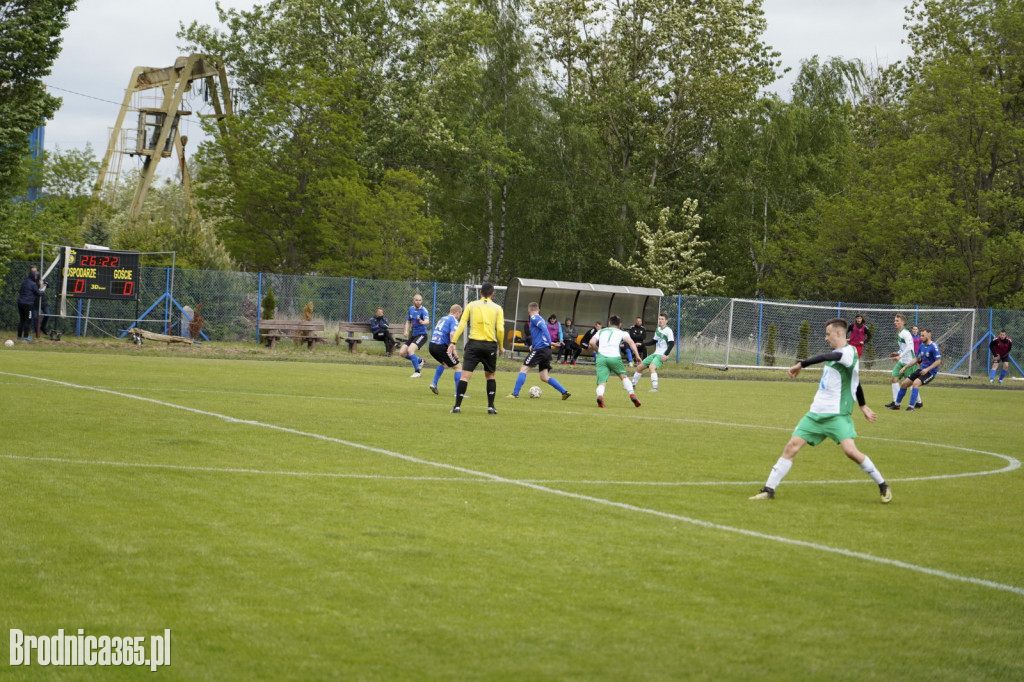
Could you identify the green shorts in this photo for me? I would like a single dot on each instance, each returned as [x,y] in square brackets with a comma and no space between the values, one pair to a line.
[897,369]
[607,366]
[815,428]
[654,359]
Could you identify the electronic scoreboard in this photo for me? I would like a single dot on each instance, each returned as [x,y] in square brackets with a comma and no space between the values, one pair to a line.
[98,273]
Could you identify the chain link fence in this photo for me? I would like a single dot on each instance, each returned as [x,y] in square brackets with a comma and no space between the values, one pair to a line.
[231,305]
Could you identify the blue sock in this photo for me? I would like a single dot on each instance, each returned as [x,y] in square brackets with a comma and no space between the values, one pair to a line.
[437,374]
[913,397]
[992,375]
[520,380]
[416,362]
[553,383]
[1002,375]
[899,396]
[458,378]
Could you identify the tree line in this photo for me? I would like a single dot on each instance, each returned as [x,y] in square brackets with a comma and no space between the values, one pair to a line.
[488,139]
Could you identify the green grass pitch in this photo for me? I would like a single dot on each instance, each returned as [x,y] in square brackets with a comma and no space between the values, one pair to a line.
[331,520]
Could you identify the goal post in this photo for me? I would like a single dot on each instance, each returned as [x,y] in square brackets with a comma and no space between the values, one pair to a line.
[763,334]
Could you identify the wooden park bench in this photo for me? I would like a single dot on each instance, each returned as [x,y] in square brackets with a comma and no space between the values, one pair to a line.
[351,330]
[299,331]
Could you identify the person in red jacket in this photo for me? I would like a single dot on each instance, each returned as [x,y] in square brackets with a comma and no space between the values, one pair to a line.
[859,334]
[1000,348]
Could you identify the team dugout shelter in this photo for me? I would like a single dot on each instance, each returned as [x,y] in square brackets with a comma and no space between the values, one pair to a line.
[584,303]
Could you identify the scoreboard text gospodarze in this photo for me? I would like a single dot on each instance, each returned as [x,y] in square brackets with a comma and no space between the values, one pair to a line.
[89,273]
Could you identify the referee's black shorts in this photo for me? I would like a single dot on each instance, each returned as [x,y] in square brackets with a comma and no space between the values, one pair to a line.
[483,353]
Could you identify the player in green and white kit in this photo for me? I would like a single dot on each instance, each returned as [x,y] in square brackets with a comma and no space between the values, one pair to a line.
[664,339]
[829,416]
[609,360]
[903,357]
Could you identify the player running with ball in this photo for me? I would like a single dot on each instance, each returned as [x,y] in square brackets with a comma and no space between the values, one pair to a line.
[540,354]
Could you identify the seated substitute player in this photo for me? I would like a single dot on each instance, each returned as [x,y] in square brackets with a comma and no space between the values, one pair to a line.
[540,354]
[829,416]
[903,356]
[379,328]
[663,342]
[586,340]
[1000,348]
[609,361]
[928,360]
[416,321]
[439,340]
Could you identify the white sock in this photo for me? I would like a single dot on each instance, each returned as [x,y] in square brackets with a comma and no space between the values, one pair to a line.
[895,391]
[779,472]
[627,384]
[654,379]
[868,467]
[636,378]
[600,391]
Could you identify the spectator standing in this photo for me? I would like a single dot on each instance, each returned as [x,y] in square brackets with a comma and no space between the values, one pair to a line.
[860,334]
[28,302]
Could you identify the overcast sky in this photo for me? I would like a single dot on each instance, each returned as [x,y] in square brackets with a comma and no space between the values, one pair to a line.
[107,39]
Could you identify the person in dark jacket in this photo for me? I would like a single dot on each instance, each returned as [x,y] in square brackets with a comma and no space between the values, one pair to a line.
[28,301]
[379,327]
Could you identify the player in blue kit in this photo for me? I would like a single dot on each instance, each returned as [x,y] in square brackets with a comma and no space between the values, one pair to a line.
[416,322]
[540,354]
[439,341]
[928,360]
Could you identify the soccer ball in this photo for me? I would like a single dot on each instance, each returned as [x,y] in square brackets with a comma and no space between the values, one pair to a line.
[9,343]
[535,391]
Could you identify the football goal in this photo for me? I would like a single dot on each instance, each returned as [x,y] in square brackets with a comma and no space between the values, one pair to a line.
[757,334]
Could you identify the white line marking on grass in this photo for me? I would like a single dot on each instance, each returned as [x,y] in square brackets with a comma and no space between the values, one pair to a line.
[564,493]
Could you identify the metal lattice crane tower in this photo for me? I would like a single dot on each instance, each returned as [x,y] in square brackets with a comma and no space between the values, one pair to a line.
[157,132]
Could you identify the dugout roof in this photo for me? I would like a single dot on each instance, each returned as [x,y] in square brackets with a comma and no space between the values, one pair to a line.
[584,303]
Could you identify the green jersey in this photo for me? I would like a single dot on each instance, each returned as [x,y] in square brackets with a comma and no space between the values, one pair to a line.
[837,390]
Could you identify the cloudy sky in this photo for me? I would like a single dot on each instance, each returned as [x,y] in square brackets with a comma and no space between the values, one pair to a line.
[107,39]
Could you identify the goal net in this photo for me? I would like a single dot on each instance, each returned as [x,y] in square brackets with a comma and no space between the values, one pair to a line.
[756,334]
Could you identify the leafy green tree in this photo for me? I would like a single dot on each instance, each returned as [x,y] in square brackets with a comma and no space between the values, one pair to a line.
[296,177]
[803,345]
[774,162]
[30,39]
[29,44]
[769,346]
[671,259]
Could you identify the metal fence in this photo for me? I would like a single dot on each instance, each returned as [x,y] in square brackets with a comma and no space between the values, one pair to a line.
[232,305]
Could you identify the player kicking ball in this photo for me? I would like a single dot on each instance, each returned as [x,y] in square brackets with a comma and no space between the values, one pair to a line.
[609,360]
[663,342]
[830,413]
[540,354]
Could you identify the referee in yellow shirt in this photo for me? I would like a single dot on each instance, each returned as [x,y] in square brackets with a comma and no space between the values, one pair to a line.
[486,322]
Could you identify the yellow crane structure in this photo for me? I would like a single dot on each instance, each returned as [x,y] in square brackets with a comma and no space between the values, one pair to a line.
[157,134]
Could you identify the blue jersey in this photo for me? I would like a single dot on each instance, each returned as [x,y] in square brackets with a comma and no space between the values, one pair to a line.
[929,355]
[416,317]
[539,336]
[443,330]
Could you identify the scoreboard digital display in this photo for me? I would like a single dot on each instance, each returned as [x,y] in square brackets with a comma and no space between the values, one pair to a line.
[96,273]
